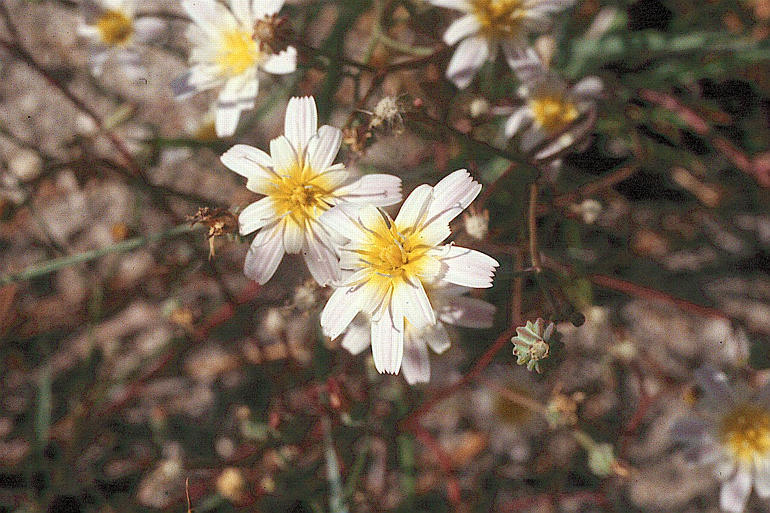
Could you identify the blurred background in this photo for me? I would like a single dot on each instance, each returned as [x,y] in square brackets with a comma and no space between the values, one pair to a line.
[136,358]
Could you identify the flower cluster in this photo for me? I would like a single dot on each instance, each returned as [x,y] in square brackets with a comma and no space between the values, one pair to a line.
[396,282]
[731,432]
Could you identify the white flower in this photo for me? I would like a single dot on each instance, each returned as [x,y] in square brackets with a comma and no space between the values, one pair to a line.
[450,307]
[731,432]
[488,23]
[228,53]
[300,182]
[392,262]
[552,109]
[114,31]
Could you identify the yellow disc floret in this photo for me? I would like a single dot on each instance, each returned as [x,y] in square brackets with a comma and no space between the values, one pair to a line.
[301,194]
[553,113]
[394,254]
[745,432]
[499,19]
[115,28]
[238,52]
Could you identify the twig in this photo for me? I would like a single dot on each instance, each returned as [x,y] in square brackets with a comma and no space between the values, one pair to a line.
[444,461]
[534,252]
[121,247]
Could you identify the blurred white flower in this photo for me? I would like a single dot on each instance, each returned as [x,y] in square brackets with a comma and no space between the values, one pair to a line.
[553,111]
[488,23]
[450,306]
[114,32]
[228,53]
[732,432]
[300,182]
[392,261]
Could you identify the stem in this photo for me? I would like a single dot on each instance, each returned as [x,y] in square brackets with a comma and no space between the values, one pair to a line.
[54,265]
[534,253]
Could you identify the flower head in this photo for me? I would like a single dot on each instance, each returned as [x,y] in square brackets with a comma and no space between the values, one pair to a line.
[300,182]
[552,110]
[114,31]
[731,430]
[486,24]
[530,345]
[392,261]
[231,46]
[450,306]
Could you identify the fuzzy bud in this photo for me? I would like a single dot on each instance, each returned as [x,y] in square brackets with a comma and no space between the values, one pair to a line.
[476,223]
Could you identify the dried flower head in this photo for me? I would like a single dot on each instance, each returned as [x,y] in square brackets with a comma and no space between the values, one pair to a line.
[388,115]
[306,296]
[219,221]
[531,343]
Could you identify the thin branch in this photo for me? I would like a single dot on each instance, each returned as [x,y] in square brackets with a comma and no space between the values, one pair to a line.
[121,247]
[534,252]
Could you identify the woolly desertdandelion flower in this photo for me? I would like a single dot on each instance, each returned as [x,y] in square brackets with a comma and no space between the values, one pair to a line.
[730,430]
[115,32]
[299,182]
[450,305]
[392,261]
[489,23]
[552,111]
[230,47]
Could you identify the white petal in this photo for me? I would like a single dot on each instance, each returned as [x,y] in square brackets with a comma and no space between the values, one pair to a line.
[358,336]
[375,189]
[415,207]
[320,259]
[762,477]
[281,63]
[469,57]
[458,5]
[203,13]
[524,62]
[416,362]
[388,342]
[461,28]
[735,492]
[689,430]
[282,154]
[237,96]
[451,196]
[262,8]
[293,236]
[413,301]
[532,138]
[265,253]
[466,267]
[343,305]
[194,81]
[589,87]
[518,119]
[469,312]
[249,162]
[256,215]
[437,338]
[323,147]
[343,219]
[714,384]
[242,11]
[149,29]
[548,5]
[301,122]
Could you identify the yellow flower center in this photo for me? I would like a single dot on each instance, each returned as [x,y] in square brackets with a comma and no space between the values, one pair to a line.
[499,19]
[553,113]
[301,194]
[394,254]
[238,53]
[745,432]
[115,28]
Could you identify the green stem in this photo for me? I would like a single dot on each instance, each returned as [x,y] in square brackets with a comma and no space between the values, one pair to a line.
[54,265]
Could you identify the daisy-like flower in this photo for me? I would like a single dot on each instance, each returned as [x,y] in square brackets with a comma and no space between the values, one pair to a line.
[450,306]
[731,430]
[392,261]
[300,182]
[489,23]
[114,31]
[552,110]
[228,53]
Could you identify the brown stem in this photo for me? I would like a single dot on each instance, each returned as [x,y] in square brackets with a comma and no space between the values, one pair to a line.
[534,252]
